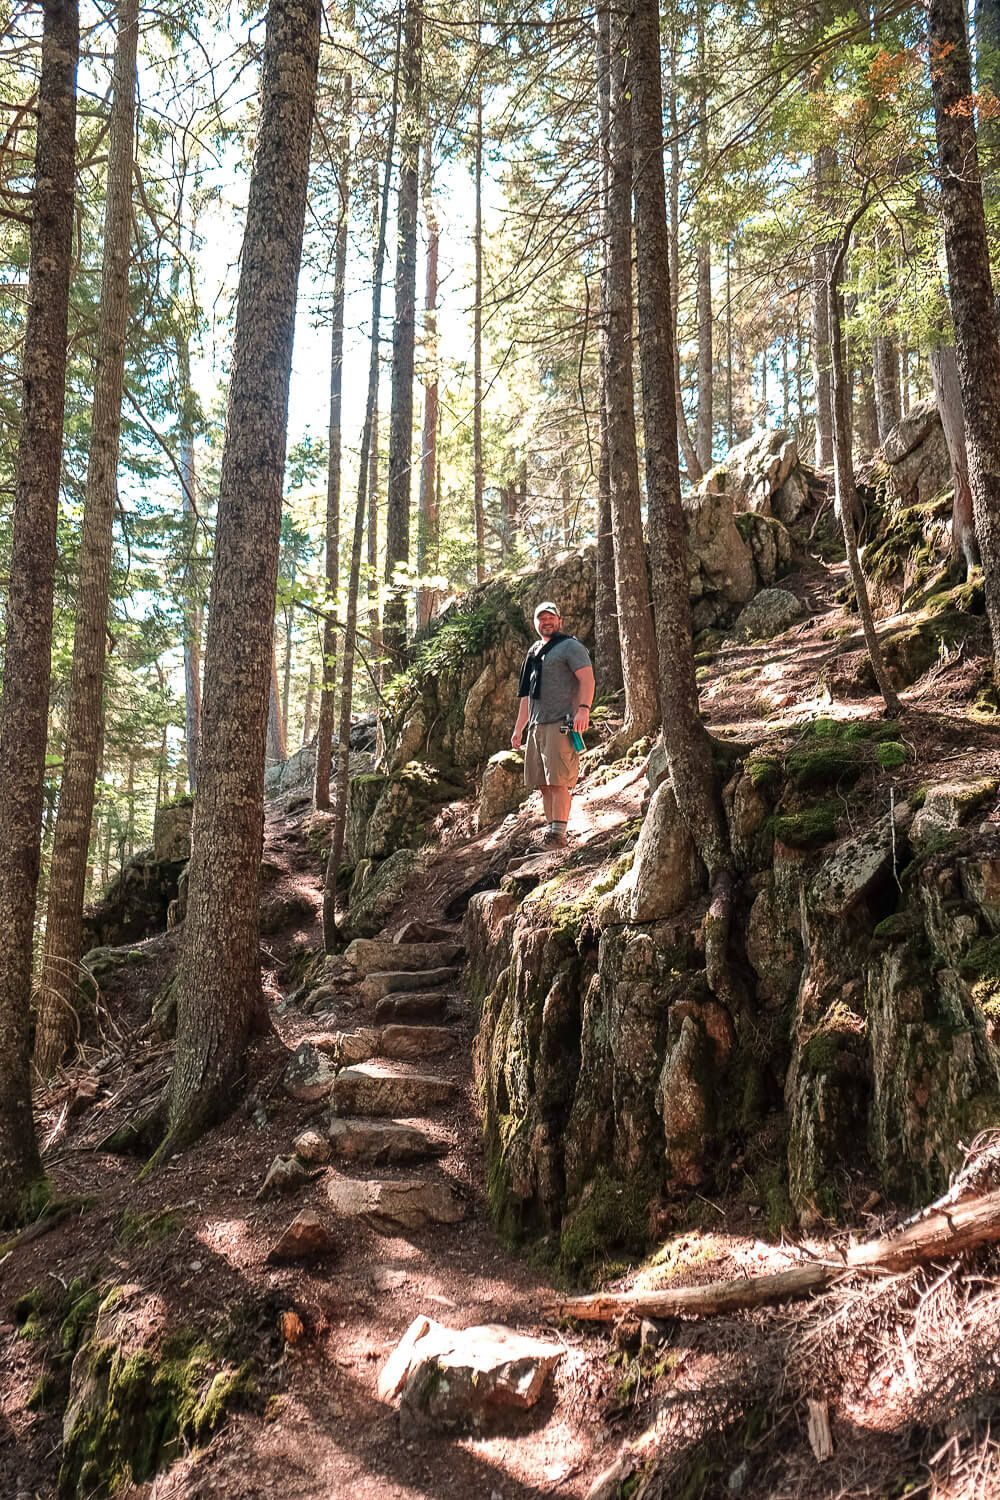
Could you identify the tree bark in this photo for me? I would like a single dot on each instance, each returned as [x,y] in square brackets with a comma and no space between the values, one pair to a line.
[28,619]
[277,746]
[886,374]
[308,707]
[397,525]
[427,505]
[56,1025]
[940,1236]
[218,981]
[635,621]
[324,727]
[479,514]
[336,853]
[192,606]
[948,395]
[845,489]
[691,460]
[607,645]
[705,429]
[823,163]
[970,290]
[684,737]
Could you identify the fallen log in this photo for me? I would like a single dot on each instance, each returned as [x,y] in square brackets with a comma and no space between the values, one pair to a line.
[943,1234]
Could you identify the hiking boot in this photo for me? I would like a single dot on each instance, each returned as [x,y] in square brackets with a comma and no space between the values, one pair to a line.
[550,839]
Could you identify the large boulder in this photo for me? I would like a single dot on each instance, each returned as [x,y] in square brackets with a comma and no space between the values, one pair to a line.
[666,871]
[916,455]
[452,1378]
[768,614]
[172,831]
[503,788]
[377,889]
[720,564]
[764,475]
[135,905]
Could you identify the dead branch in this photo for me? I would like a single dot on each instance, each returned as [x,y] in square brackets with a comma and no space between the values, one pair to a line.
[941,1236]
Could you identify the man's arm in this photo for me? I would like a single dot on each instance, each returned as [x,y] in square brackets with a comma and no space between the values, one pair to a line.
[585,688]
[523,709]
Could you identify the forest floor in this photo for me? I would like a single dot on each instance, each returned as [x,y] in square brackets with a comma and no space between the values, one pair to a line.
[196,1235]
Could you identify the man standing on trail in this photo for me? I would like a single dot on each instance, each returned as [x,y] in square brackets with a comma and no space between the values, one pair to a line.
[556,692]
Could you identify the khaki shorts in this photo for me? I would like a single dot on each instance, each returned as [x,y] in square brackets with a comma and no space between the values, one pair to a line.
[549,758]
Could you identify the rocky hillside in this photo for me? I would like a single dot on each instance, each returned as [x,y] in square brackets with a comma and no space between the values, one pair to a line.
[515,1078]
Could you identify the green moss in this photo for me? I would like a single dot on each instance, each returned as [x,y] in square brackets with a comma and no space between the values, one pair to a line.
[810,827]
[811,768]
[778,1209]
[151,1407]
[148,1229]
[185,799]
[892,753]
[981,962]
[764,773]
[29,1305]
[46,1391]
[76,1313]
[611,1213]
[897,927]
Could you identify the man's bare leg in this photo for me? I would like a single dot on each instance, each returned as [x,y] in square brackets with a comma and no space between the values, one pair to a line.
[548,792]
[559,804]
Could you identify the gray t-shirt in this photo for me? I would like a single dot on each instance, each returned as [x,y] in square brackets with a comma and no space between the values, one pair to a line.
[559,684]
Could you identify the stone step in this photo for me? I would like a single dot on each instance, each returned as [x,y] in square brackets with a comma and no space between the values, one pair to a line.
[376,955]
[410,1043]
[371,1090]
[429,1005]
[394,981]
[382,1142]
[392,1205]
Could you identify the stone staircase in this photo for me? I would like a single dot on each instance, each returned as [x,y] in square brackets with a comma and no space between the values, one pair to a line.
[395,1086]
[386,1097]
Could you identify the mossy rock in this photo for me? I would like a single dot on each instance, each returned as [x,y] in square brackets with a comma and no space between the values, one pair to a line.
[809,827]
[610,1216]
[139,1396]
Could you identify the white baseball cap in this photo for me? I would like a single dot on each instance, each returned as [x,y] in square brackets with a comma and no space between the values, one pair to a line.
[547,608]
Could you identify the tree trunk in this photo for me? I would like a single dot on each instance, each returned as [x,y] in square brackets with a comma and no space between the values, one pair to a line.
[635,621]
[477,355]
[192,608]
[845,489]
[218,979]
[948,395]
[823,163]
[705,431]
[309,705]
[691,461]
[397,525]
[970,290]
[277,745]
[324,728]
[336,853]
[286,666]
[68,875]
[607,646]
[684,737]
[730,422]
[427,508]
[28,619]
[886,374]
